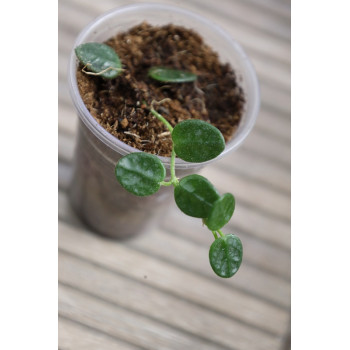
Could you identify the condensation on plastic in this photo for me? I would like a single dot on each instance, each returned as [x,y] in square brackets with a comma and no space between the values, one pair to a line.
[94,192]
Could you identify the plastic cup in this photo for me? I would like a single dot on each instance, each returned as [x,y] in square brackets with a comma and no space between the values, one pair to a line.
[95,193]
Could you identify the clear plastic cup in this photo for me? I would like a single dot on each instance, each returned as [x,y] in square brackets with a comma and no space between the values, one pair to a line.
[94,192]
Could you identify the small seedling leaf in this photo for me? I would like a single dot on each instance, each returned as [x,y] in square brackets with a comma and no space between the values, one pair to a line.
[225,255]
[221,212]
[197,141]
[98,58]
[195,195]
[169,75]
[140,173]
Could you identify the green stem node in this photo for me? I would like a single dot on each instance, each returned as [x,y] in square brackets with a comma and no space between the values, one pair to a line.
[166,183]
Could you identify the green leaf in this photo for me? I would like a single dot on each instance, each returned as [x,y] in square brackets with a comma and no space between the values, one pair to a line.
[169,75]
[221,212]
[197,141]
[225,255]
[99,57]
[140,173]
[195,195]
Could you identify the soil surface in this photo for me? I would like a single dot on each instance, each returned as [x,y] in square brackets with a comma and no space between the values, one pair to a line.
[122,105]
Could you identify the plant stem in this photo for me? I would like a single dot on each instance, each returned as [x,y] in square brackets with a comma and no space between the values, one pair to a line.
[166,183]
[162,119]
[214,234]
[221,233]
[174,179]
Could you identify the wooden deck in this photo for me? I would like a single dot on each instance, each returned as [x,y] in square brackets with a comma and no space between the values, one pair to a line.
[135,294]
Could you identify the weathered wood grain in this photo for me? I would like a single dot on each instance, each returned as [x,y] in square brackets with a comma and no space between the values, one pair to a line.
[123,324]
[194,257]
[172,279]
[76,336]
[248,219]
[204,326]
[259,253]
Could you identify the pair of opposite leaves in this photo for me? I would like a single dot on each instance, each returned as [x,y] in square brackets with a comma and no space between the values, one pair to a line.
[193,141]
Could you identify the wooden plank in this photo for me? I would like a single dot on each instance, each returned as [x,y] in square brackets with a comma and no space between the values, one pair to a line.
[188,254]
[247,17]
[275,7]
[259,253]
[203,326]
[241,12]
[258,225]
[256,169]
[116,256]
[269,148]
[251,193]
[67,119]
[66,144]
[265,286]
[122,324]
[75,336]
[273,124]
[273,98]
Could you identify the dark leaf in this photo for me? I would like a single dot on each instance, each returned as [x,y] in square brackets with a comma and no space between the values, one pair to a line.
[99,57]
[197,141]
[169,75]
[225,255]
[140,173]
[221,212]
[195,196]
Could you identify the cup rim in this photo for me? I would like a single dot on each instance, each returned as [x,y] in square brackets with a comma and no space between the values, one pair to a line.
[121,147]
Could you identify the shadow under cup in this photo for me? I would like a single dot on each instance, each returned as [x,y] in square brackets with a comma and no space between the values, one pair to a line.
[95,194]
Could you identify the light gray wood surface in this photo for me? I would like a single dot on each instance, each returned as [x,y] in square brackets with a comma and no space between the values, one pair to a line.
[143,293]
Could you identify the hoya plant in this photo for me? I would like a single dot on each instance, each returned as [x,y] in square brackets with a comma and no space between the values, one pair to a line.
[193,140]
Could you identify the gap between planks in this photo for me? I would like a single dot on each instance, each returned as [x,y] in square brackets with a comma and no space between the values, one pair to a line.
[247,16]
[118,322]
[137,296]
[74,335]
[267,287]
[117,257]
[260,255]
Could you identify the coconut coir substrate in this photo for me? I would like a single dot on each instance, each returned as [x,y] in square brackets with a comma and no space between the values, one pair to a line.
[121,105]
